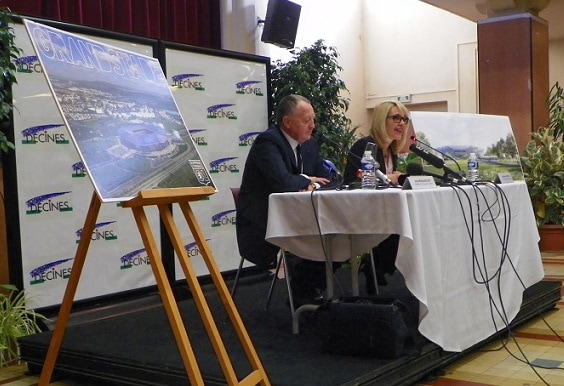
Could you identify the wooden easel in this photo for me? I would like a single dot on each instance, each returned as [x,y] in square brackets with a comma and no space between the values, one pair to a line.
[162,199]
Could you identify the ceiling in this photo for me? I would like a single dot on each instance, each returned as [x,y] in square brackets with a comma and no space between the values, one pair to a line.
[553,13]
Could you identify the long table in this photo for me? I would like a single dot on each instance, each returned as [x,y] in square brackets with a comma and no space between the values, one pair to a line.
[450,253]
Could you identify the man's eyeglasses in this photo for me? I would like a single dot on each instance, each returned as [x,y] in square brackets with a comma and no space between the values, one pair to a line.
[398,118]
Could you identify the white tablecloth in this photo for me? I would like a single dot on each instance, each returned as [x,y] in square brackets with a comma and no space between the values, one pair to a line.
[436,257]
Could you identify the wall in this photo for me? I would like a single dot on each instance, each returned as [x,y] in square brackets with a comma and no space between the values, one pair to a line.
[326,22]
[556,61]
[409,55]
[384,49]
[387,48]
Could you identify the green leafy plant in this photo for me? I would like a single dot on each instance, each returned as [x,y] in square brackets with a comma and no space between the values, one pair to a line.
[543,164]
[8,53]
[313,73]
[556,111]
[16,320]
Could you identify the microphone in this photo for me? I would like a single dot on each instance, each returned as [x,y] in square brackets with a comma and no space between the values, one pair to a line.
[414,138]
[382,176]
[417,170]
[330,167]
[431,158]
[436,162]
[336,181]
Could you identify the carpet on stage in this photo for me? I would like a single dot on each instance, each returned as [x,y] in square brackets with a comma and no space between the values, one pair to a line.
[135,345]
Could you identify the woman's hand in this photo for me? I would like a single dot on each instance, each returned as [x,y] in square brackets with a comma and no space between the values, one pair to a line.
[394,176]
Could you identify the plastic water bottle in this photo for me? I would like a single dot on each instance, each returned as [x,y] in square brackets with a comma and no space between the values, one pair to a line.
[472,174]
[367,165]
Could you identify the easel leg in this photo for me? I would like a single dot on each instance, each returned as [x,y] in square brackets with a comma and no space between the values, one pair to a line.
[258,375]
[70,291]
[169,302]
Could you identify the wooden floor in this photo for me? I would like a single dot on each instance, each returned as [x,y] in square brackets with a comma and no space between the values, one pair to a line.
[533,356]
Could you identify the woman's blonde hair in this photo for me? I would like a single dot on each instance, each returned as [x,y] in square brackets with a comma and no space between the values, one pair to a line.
[378,128]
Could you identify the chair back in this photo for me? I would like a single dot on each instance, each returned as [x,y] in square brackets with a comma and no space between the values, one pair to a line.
[235,193]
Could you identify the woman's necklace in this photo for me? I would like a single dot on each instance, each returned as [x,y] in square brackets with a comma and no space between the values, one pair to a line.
[388,162]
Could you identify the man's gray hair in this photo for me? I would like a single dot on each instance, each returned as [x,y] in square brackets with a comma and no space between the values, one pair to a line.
[287,105]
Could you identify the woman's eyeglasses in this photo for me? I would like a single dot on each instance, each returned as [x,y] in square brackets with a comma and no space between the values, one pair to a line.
[398,118]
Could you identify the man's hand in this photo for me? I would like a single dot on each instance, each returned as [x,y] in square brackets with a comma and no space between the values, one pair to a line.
[316,182]
[320,180]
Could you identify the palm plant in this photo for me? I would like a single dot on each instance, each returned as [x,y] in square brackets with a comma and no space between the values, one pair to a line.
[16,320]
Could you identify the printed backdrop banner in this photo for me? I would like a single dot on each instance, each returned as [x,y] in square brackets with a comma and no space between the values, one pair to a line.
[221,97]
[54,194]
[225,104]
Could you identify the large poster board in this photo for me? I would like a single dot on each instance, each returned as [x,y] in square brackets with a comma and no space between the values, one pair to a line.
[456,135]
[120,113]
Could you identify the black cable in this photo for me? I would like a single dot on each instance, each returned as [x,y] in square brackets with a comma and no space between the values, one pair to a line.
[502,203]
[485,281]
[480,273]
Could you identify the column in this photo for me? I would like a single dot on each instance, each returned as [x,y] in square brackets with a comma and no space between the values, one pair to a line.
[513,71]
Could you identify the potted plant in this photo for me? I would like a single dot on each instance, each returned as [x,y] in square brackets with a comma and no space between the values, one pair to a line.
[543,167]
[313,73]
[8,53]
[16,320]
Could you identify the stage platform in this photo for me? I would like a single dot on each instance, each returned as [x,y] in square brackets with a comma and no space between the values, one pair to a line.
[131,343]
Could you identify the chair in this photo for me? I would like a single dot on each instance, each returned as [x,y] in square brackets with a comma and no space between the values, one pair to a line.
[281,262]
[235,194]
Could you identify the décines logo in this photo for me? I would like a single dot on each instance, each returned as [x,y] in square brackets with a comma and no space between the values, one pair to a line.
[223,218]
[248,139]
[221,111]
[48,203]
[198,139]
[248,87]
[192,249]
[78,170]
[222,165]
[190,81]
[50,271]
[102,231]
[28,64]
[136,258]
[44,134]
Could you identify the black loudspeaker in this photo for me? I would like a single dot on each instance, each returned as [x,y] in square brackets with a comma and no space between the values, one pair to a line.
[281,23]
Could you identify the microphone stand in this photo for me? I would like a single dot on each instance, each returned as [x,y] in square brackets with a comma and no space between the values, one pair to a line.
[448,176]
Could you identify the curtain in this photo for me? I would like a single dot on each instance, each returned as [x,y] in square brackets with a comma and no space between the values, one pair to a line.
[194,22]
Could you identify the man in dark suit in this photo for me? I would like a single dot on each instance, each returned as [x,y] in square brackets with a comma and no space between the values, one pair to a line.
[284,158]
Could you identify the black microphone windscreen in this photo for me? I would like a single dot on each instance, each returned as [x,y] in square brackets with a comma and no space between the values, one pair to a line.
[431,158]
[414,169]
